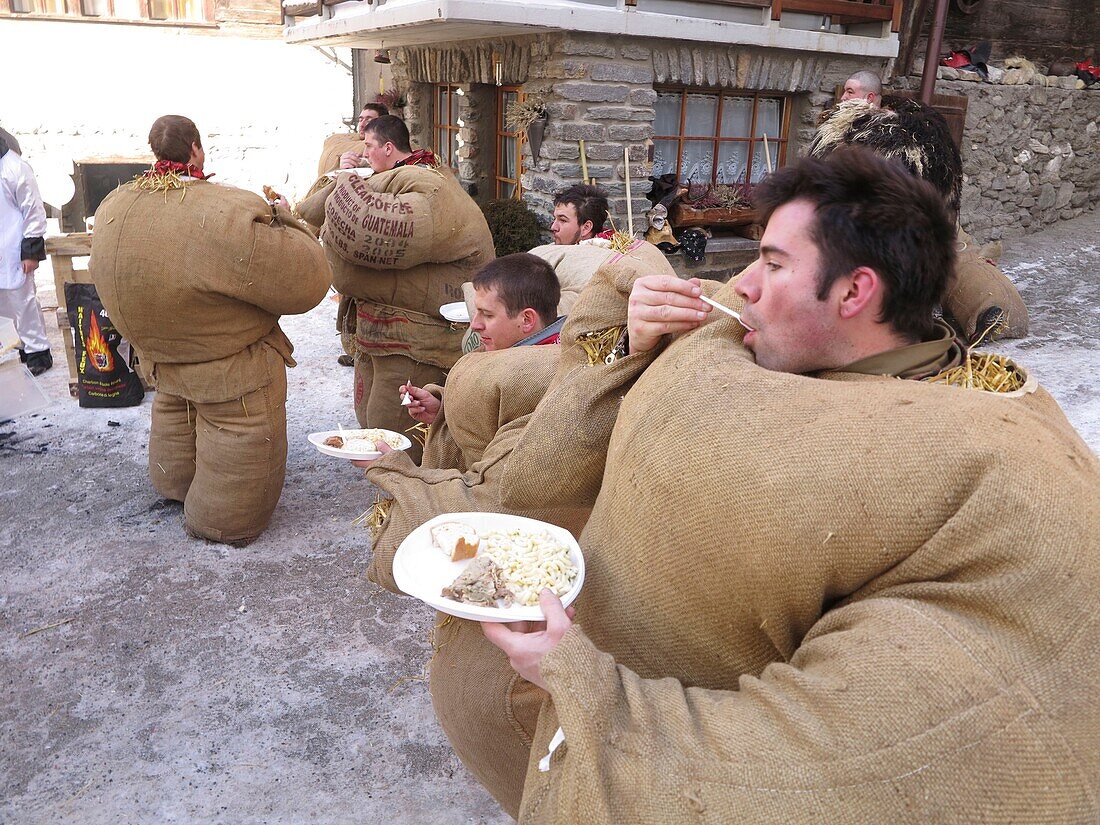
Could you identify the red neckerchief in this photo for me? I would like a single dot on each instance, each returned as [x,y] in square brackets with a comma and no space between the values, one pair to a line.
[553,339]
[163,167]
[421,157]
[606,234]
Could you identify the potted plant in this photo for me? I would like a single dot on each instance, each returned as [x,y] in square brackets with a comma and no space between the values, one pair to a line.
[721,205]
[528,119]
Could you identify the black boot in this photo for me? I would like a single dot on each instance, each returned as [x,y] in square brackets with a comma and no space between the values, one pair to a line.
[39,362]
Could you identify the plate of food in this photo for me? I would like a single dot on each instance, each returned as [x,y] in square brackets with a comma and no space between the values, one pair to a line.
[456,313]
[354,444]
[488,567]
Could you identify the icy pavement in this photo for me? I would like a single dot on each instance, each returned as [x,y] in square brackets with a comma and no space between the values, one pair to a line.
[152,677]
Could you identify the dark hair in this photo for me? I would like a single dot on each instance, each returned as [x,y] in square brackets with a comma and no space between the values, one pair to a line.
[523,280]
[171,138]
[390,129]
[590,203]
[869,211]
[378,108]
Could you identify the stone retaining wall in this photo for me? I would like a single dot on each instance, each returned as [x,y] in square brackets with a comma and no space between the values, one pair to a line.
[1031,155]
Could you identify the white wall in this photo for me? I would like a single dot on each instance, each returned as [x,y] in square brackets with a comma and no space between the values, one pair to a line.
[79,90]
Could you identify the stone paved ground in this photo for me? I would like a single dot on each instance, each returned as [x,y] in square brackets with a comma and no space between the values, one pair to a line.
[188,682]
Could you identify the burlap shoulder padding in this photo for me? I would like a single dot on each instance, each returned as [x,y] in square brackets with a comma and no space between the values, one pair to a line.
[335,146]
[583,400]
[574,265]
[198,274]
[843,599]
[405,217]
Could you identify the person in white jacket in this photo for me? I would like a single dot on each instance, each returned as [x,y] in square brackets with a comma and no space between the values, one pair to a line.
[22,247]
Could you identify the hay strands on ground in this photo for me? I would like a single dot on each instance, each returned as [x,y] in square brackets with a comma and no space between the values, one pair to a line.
[982,371]
[46,627]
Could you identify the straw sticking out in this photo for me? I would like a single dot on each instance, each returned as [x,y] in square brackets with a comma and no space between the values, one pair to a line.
[584,163]
[767,153]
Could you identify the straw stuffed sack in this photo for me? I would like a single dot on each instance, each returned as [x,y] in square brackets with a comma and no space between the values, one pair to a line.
[838,598]
[489,714]
[199,274]
[404,217]
[335,146]
[574,265]
[979,285]
[580,406]
[487,400]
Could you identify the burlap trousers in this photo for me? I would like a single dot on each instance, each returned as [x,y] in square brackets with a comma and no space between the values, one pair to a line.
[487,711]
[226,461]
[377,400]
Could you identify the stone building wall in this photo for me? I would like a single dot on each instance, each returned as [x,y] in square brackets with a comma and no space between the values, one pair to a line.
[1031,155]
[600,90]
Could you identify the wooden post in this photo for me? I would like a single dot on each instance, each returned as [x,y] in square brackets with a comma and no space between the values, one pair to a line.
[629,200]
[932,54]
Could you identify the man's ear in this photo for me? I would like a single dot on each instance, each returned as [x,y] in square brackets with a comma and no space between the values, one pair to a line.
[530,321]
[587,229]
[862,292]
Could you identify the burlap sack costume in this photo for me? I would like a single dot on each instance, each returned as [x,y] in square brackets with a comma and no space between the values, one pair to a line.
[574,265]
[196,275]
[978,286]
[335,146]
[583,399]
[485,709]
[841,598]
[401,243]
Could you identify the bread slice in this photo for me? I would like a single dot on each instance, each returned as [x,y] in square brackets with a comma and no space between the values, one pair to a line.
[457,540]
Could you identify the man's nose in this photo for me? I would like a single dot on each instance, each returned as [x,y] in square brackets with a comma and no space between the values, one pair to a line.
[748,285]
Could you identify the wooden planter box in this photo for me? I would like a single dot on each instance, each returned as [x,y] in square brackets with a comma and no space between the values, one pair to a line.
[683,216]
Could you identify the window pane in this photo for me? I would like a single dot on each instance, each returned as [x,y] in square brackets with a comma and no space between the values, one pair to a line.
[508,158]
[508,100]
[441,145]
[454,150]
[22,6]
[664,157]
[505,190]
[160,9]
[453,121]
[737,117]
[768,113]
[759,166]
[732,159]
[702,113]
[667,121]
[697,161]
[95,8]
[441,106]
[52,7]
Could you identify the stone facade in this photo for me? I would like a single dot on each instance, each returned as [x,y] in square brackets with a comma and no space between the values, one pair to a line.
[1031,154]
[600,91]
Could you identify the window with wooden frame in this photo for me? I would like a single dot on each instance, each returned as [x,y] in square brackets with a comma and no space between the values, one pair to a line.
[509,148]
[446,125]
[710,136]
[190,11]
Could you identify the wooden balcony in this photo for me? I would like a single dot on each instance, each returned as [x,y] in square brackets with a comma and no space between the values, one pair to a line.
[844,11]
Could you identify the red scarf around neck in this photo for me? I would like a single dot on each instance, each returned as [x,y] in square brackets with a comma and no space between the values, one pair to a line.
[163,167]
[421,157]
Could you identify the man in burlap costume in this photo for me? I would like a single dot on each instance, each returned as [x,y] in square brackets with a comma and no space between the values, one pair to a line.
[401,243]
[981,299]
[195,275]
[345,151]
[789,615]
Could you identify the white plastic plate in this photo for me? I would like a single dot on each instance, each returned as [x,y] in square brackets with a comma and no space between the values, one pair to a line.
[318,441]
[422,570]
[456,313]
